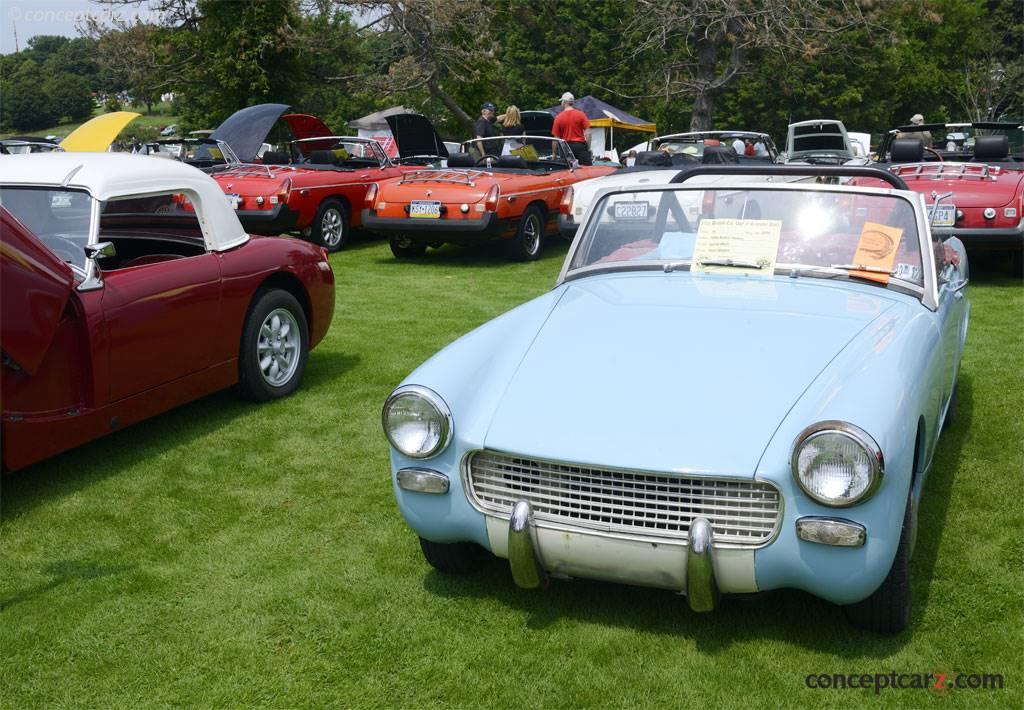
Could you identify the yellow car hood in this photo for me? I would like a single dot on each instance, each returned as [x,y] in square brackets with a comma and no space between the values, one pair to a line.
[96,135]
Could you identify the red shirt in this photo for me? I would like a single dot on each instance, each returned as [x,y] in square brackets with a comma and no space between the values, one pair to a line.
[569,125]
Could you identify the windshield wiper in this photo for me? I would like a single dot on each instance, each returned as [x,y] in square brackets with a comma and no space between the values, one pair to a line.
[732,262]
[862,267]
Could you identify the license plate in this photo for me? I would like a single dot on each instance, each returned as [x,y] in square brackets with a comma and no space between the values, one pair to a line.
[233,200]
[425,209]
[631,210]
[945,216]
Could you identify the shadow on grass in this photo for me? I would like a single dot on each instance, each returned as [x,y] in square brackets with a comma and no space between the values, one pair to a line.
[995,268]
[80,468]
[61,573]
[787,615]
[486,253]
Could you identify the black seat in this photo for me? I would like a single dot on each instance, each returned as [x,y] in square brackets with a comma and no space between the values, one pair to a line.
[460,160]
[719,155]
[512,161]
[322,157]
[657,158]
[275,157]
[906,150]
[991,148]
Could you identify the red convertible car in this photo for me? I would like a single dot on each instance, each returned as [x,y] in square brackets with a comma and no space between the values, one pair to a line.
[507,187]
[315,183]
[129,287]
[979,170]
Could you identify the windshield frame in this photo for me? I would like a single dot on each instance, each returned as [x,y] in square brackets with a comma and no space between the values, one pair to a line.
[927,294]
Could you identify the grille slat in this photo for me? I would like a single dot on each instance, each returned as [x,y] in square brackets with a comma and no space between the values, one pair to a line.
[740,511]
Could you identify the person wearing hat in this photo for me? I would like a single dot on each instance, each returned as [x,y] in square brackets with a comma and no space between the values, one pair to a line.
[484,126]
[926,136]
[572,126]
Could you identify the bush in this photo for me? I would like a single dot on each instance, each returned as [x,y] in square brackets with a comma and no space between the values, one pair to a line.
[70,97]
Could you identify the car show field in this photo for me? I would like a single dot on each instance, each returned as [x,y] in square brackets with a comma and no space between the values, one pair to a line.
[221,554]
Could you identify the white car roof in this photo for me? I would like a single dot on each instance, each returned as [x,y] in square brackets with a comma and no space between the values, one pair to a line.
[108,176]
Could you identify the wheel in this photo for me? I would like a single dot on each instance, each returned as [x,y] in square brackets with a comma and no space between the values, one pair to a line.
[526,245]
[887,610]
[454,557]
[330,226]
[485,157]
[275,343]
[936,153]
[405,248]
[951,409]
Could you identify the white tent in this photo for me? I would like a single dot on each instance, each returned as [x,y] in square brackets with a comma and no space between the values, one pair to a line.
[375,126]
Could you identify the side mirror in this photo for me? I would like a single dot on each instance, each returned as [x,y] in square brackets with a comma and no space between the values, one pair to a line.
[93,253]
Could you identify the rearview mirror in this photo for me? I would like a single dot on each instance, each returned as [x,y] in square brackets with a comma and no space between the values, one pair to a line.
[94,252]
[102,250]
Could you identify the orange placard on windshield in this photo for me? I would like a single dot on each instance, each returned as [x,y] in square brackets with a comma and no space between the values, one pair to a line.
[877,249]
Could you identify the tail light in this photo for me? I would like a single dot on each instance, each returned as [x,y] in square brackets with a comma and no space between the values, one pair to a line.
[286,190]
[491,200]
[707,206]
[371,196]
[565,206]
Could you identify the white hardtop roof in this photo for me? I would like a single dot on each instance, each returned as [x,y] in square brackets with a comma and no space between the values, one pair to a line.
[694,134]
[108,176]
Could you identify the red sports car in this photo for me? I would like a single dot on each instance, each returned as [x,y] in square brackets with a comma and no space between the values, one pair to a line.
[507,188]
[980,166]
[315,183]
[129,287]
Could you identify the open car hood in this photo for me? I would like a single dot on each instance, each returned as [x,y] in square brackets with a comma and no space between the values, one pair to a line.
[96,135]
[416,136]
[35,286]
[246,129]
[537,123]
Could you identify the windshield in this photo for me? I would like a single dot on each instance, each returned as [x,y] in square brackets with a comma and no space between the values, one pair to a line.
[962,138]
[536,152]
[756,231]
[190,151]
[59,218]
[693,146]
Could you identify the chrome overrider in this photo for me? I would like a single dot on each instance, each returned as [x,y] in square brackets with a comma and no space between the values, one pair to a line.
[528,573]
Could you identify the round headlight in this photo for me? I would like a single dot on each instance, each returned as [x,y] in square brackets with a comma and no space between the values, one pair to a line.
[417,422]
[837,464]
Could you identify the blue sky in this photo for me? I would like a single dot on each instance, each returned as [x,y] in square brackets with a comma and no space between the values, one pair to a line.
[47,17]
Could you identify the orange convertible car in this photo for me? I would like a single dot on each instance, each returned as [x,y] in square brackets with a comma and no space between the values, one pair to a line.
[507,188]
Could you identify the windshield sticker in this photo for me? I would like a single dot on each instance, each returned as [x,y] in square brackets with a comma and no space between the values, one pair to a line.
[876,250]
[740,246]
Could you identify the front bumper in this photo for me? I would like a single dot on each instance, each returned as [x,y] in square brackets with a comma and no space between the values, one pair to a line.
[986,237]
[276,220]
[428,229]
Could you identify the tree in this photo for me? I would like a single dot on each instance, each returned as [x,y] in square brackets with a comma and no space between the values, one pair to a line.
[25,106]
[69,96]
[698,48]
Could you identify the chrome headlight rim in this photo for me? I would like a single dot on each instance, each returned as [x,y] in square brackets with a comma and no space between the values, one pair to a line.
[858,435]
[437,402]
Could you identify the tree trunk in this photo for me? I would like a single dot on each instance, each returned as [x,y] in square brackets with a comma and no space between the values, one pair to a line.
[702,118]
[703,111]
[463,117]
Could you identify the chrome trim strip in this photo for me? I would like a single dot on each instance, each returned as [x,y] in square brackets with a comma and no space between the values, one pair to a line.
[640,534]
[522,557]
[448,423]
[701,586]
[853,432]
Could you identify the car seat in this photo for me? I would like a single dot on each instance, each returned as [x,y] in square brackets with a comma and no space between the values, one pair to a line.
[461,160]
[275,157]
[512,161]
[322,157]
[990,149]
[906,150]
[658,158]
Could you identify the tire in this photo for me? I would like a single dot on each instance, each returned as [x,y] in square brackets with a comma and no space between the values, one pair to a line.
[330,227]
[951,412]
[275,333]
[454,557]
[887,610]
[405,248]
[528,242]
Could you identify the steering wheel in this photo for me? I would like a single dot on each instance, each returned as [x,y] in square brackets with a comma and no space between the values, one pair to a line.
[938,155]
[65,249]
[483,158]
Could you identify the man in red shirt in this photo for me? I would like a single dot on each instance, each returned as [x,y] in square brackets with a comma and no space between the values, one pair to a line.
[572,126]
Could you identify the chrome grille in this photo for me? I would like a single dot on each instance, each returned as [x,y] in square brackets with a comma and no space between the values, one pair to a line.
[741,511]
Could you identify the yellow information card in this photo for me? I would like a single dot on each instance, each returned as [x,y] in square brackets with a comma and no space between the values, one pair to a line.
[744,242]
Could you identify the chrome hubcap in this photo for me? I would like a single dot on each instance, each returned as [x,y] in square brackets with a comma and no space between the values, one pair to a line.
[278,347]
[531,235]
[331,228]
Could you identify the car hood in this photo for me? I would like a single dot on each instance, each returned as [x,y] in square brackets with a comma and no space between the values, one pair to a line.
[96,134]
[246,129]
[416,136]
[674,372]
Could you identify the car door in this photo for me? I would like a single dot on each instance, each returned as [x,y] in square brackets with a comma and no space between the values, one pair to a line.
[161,309]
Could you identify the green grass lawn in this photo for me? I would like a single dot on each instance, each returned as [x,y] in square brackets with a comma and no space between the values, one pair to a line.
[161,116]
[229,554]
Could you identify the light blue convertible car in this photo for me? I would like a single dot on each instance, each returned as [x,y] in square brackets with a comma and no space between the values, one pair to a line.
[730,389]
